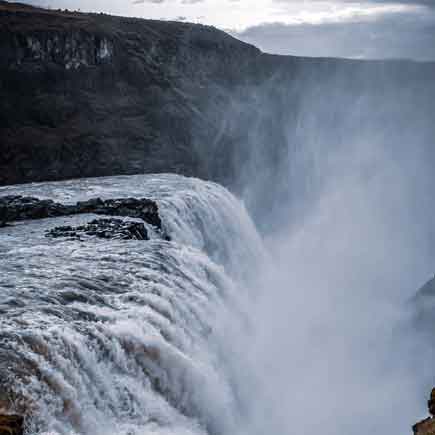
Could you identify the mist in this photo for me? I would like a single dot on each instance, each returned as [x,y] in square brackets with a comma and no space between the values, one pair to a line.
[331,347]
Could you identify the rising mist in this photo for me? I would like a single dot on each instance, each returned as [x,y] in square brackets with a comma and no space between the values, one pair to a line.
[331,346]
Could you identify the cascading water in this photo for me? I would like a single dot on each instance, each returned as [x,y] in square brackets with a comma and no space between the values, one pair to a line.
[117,337]
[203,334]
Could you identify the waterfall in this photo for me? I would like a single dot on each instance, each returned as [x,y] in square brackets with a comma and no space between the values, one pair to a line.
[118,337]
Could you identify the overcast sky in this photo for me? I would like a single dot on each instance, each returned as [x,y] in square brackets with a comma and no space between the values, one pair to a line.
[344,28]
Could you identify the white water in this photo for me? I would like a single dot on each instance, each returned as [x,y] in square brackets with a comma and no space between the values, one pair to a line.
[110,337]
[205,335]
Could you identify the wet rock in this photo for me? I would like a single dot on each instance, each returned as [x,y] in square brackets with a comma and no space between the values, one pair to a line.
[116,229]
[138,208]
[11,425]
[18,208]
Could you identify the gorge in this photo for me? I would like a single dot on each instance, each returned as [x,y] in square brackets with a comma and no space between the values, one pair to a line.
[200,238]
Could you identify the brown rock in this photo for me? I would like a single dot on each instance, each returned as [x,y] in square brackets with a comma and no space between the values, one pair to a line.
[425,427]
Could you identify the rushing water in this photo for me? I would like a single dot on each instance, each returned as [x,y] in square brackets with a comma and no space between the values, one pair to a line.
[203,334]
[118,337]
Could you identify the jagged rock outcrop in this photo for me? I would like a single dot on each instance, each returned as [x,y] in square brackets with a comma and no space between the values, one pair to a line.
[18,208]
[142,208]
[115,229]
[427,426]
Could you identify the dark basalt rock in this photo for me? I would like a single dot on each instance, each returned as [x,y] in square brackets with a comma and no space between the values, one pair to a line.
[18,208]
[139,208]
[116,229]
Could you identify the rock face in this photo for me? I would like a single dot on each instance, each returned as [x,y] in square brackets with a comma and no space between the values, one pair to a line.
[116,229]
[18,208]
[71,51]
[91,94]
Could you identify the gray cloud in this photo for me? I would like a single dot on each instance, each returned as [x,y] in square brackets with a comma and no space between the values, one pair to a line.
[404,2]
[395,35]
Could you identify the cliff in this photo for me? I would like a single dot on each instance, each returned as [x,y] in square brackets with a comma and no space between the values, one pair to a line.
[86,94]
[92,95]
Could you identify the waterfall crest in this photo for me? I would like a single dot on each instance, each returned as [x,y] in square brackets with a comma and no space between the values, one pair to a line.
[116,337]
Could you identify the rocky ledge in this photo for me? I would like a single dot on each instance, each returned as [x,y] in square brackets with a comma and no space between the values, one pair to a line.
[18,208]
[116,229]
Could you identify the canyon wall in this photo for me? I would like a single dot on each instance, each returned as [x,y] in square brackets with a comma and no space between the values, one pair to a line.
[94,95]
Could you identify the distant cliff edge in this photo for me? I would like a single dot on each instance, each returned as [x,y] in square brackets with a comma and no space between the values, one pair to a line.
[92,94]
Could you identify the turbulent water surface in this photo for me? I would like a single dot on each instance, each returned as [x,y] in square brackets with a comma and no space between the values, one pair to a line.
[218,331]
[117,337]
